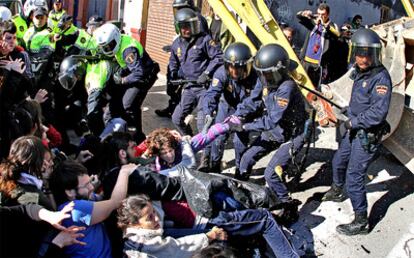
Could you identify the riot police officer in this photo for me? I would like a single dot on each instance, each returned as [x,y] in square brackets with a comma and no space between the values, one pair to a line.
[173,90]
[138,72]
[362,132]
[231,84]
[55,14]
[22,21]
[194,56]
[281,126]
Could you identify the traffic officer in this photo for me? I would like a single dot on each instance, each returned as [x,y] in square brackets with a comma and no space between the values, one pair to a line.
[56,14]
[23,20]
[281,126]
[368,108]
[138,72]
[194,56]
[231,84]
[173,90]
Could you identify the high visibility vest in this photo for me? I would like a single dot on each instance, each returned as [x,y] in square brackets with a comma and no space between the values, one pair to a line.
[21,28]
[97,74]
[54,18]
[37,41]
[85,41]
[126,42]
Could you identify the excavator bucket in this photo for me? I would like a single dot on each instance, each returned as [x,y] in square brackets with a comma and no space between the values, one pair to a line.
[257,17]
[397,57]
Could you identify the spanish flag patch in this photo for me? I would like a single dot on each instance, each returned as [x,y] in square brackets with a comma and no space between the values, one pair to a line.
[282,102]
[381,89]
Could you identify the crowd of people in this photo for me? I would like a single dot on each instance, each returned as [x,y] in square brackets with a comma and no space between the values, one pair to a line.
[120,192]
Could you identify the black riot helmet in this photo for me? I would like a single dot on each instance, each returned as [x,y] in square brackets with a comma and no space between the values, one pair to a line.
[367,43]
[273,65]
[71,70]
[179,4]
[239,57]
[187,18]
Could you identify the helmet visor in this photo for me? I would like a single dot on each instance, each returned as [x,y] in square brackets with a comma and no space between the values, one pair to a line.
[68,80]
[238,71]
[373,53]
[192,25]
[270,78]
[109,48]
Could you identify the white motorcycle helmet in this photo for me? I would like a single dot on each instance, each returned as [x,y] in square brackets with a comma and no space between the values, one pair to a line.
[30,5]
[5,14]
[108,38]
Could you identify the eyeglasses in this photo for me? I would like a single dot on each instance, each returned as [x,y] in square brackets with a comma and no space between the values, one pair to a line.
[85,185]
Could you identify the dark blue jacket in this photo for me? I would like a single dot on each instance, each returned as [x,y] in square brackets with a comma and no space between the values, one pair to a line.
[370,99]
[285,116]
[189,59]
[234,92]
[138,68]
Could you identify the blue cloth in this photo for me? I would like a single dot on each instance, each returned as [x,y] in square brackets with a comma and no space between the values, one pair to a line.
[370,100]
[137,70]
[314,49]
[189,59]
[96,238]
[249,222]
[223,95]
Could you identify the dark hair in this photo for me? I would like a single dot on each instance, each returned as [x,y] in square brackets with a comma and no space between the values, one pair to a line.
[356,17]
[215,251]
[65,177]
[8,27]
[130,210]
[159,139]
[292,30]
[26,155]
[112,145]
[324,6]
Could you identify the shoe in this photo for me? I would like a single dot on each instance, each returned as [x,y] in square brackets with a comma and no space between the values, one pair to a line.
[358,226]
[335,194]
[204,163]
[163,112]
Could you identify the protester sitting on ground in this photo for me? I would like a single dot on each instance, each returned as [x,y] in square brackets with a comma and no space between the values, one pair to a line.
[170,149]
[70,182]
[142,223]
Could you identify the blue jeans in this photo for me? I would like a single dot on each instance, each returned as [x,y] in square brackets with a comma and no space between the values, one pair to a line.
[260,221]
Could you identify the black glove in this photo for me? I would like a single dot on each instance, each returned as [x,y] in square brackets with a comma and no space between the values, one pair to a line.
[117,78]
[344,127]
[203,78]
[344,111]
[207,123]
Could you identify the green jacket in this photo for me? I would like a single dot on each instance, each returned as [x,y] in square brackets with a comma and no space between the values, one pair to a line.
[126,42]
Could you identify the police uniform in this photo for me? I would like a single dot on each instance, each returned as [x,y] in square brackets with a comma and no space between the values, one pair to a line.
[139,73]
[223,95]
[54,18]
[368,108]
[188,60]
[281,128]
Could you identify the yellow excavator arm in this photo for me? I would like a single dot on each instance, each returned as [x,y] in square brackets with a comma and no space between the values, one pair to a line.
[409,7]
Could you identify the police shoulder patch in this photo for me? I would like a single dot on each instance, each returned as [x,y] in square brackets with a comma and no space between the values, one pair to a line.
[82,40]
[215,82]
[130,58]
[281,102]
[21,28]
[279,171]
[381,89]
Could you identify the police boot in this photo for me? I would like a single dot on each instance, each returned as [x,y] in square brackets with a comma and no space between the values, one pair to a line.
[358,226]
[204,163]
[335,194]
[166,112]
[287,213]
